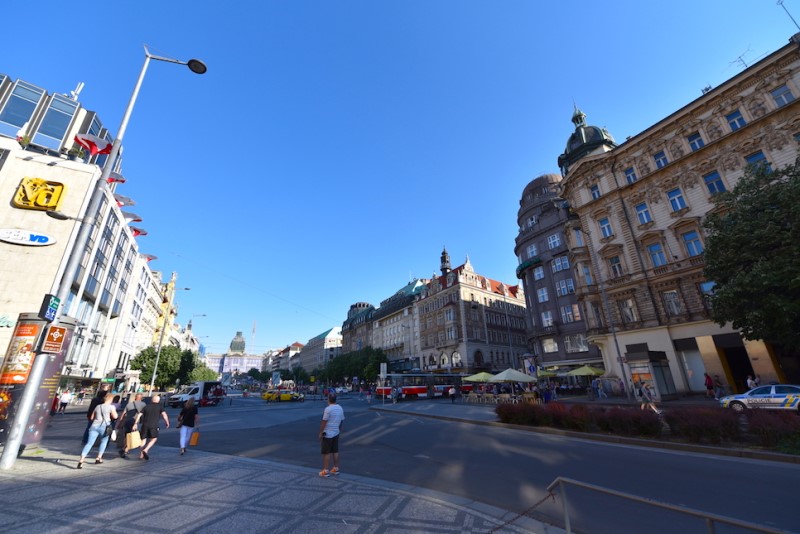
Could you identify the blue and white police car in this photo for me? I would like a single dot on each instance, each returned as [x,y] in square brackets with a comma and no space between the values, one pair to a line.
[772,397]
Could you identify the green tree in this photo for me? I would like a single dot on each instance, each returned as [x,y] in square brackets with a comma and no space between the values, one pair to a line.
[753,255]
[364,364]
[168,365]
[201,373]
[189,360]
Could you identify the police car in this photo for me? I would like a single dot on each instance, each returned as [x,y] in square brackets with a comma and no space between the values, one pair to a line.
[773,397]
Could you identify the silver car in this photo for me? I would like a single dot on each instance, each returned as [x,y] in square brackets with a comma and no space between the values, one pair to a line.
[772,397]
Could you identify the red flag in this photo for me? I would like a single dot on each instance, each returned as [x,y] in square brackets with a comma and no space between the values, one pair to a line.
[93,144]
[116,178]
[131,217]
[137,231]
[149,257]
[123,201]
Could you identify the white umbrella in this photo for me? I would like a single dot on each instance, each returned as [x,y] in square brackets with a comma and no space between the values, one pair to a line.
[512,375]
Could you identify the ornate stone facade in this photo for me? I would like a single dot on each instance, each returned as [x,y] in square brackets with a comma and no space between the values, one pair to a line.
[640,207]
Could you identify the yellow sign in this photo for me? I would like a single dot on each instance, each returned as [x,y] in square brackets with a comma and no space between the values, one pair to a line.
[38,194]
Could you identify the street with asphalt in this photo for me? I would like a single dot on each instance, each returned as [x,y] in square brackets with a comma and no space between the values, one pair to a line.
[423,466]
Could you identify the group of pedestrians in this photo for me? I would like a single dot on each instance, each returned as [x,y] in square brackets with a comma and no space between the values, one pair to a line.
[108,422]
[105,420]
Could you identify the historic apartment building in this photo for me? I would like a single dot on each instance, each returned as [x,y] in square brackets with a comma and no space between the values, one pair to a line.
[357,328]
[394,328]
[635,230]
[556,324]
[469,323]
[319,350]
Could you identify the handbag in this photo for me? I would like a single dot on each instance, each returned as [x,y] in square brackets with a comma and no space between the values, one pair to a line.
[133,440]
[195,438]
[109,431]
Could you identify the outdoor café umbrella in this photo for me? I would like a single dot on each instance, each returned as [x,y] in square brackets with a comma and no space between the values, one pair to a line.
[586,370]
[479,377]
[544,373]
[512,375]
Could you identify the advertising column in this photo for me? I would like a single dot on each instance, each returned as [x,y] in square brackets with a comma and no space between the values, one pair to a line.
[54,341]
[17,366]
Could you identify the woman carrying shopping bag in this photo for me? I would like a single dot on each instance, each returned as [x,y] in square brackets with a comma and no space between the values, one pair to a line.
[188,421]
[101,427]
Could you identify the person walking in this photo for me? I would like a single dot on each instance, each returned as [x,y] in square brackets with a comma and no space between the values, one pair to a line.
[647,398]
[63,401]
[452,393]
[188,421]
[81,395]
[101,418]
[329,429]
[125,423]
[709,383]
[97,400]
[751,383]
[601,394]
[719,388]
[150,417]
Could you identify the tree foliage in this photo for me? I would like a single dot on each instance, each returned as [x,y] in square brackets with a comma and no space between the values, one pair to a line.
[202,374]
[753,255]
[364,364]
[173,365]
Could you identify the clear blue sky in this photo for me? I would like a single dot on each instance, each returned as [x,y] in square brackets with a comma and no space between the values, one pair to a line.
[334,147]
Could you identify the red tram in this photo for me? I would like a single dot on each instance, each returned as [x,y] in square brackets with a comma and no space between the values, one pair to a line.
[422,385]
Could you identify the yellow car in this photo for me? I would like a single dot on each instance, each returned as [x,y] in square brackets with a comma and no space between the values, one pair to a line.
[282,396]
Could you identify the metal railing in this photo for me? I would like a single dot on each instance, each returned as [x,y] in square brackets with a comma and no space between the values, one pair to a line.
[711,520]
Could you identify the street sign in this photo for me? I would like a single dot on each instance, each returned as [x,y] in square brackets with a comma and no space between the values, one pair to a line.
[49,308]
[54,339]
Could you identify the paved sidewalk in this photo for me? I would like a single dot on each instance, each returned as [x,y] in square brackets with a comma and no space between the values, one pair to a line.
[206,492]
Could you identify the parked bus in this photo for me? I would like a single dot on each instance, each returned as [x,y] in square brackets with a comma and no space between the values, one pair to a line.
[422,385]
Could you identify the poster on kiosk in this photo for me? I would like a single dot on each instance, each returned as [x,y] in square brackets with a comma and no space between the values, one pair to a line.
[33,338]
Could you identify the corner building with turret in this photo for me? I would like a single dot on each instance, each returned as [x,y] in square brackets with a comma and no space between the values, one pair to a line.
[635,228]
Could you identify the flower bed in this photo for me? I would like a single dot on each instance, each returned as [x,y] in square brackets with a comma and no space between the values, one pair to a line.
[778,431]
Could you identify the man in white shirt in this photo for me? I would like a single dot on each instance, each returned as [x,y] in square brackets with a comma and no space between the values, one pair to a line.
[63,401]
[329,430]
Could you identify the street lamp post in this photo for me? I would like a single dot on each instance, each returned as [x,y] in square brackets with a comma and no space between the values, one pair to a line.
[607,308]
[35,377]
[73,263]
[171,289]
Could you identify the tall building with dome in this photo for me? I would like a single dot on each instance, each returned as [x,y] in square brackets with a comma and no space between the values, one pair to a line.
[634,228]
[556,321]
[236,360]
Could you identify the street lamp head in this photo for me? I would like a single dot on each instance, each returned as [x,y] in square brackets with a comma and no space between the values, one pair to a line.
[63,216]
[57,215]
[196,66]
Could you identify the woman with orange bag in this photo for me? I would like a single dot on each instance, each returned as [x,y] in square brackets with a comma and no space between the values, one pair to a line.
[188,422]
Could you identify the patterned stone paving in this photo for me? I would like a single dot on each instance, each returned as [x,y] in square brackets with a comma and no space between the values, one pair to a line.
[204,492]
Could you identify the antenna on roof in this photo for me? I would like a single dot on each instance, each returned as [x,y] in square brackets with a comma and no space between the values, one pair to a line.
[74,94]
[740,60]
[780,3]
